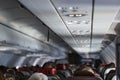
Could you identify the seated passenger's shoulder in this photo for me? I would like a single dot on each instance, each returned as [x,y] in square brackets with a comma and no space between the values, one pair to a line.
[38,76]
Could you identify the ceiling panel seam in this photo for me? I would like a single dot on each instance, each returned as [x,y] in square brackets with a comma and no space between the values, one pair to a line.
[92,20]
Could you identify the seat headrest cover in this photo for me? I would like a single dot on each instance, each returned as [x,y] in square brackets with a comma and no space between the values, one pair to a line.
[61,67]
[51,71]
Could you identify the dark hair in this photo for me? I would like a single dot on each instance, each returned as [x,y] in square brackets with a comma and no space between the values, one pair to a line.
[49,65]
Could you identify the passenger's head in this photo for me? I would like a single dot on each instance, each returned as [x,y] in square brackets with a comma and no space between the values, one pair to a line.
[61,66]
[89,69]
[111,64]
[72,65]
[49,65]
[82,66]
[84,71]
[38,76]
[3,69]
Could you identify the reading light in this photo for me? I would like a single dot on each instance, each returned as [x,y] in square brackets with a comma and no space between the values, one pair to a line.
[62,9]
[85,22]
[69,22]
[71,8]
[73,22]
[59,8]
[75,15]
[74,9]
[71,15]
[78,15]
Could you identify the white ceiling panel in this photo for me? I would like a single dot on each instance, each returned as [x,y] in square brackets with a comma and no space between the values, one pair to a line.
[20,22]
[72,20]
[47,13]
[50,13]
[105,12]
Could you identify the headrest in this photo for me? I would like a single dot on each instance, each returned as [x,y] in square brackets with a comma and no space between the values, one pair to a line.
[112,65]
[108,70]
[103,64]
[23,69]
[83,78]
[51,71]
[61,67]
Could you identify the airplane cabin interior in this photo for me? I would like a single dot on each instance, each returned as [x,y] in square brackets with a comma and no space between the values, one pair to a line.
[59,39]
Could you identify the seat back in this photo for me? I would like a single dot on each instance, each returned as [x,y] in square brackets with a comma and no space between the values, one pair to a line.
[84,78]
[46,71]
[41,70]
[110,75]
[111,65]
[107,71]
[101,67]
[53,77]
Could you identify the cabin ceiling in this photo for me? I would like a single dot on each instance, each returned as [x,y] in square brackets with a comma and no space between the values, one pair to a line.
[22,32]
[84,25]
[80,23]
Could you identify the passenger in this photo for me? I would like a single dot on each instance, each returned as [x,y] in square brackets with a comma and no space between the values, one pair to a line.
[61,66]
[3,69]
[110,65]
[72,65]
[49,65]
[1,76]
[37,66]
[38,76]
[84,71]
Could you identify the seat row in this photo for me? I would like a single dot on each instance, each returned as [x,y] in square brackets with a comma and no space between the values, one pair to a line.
[60,72]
